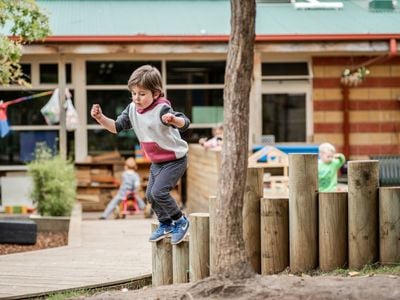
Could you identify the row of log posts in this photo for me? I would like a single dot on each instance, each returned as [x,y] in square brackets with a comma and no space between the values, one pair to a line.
[187,261]
[332,229]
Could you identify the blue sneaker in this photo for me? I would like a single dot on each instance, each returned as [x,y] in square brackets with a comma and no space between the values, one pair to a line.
[181,227]
[162,231]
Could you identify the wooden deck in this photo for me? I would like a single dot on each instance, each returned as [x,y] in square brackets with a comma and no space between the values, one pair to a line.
[100,252]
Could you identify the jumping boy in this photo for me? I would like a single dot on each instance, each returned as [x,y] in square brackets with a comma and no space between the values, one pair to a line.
[157,128]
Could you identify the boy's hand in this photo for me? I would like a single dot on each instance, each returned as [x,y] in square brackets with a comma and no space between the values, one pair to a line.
[168,118]
[96,112]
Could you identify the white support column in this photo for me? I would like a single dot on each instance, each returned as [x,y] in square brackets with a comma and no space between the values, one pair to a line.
[79,82]
[255,124]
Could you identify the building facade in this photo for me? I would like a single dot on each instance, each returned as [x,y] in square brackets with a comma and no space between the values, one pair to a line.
[297,94]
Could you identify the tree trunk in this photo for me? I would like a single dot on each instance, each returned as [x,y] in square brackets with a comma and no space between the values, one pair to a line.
[231,256]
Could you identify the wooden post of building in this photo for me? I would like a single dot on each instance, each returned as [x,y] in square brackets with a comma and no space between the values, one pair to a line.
[161,260]
[199,246]
[180,262]
[61,87]
[303,212]
[274,235]
[212,207]
[389,225]
[363,181]
[332,230]
[251,216]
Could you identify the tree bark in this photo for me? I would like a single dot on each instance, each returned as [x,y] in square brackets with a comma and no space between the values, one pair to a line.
[231,256]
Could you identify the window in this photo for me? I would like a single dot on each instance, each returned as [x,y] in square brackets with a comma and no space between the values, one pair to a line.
[195,72]
[285,69]
[49,73]
[191,101]
[100,140]
[113,72]
[112,102]
[284,116]
[196,89]
[19,146]
[26,70]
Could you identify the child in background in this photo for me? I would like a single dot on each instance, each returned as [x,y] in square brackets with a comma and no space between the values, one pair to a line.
[328,165]
[214,143]
[130,183]
[157,128]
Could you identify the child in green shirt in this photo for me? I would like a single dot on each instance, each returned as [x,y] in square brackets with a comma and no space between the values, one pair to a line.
[328,165]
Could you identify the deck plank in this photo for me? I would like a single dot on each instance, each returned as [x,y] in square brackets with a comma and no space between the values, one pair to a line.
[109,251]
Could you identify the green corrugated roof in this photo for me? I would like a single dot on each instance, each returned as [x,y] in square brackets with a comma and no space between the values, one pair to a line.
[113,18]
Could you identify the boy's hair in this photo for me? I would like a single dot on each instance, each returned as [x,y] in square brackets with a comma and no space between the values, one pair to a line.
[327,147]
[147,77]
[130,163]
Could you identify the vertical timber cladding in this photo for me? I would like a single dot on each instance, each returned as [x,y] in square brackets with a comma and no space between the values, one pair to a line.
[202,177]
[374,106]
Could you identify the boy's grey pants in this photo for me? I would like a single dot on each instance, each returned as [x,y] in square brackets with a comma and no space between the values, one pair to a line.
[163,178]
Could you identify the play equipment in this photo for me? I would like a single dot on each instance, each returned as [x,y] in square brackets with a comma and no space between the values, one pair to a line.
[128,206]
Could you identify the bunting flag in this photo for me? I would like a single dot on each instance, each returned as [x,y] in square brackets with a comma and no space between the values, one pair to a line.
[4,126]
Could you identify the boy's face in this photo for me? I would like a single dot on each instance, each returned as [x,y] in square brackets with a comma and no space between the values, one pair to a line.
[143,98]
[326,156]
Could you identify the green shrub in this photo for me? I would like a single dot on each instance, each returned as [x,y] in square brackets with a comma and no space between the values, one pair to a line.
[54,183]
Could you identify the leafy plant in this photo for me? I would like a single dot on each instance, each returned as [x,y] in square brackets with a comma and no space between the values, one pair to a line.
[27,23]
[54,183]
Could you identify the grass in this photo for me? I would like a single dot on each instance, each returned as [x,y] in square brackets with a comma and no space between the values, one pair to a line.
[86,292]
[70,294]
[371,269]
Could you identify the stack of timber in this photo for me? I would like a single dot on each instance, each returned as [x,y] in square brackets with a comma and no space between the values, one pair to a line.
[97,179]
[275,164]
[202,177]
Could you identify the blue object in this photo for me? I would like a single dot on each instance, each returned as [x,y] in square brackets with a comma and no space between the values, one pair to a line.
[162,231]
[4,128]
[29,139]
[289,149]
[179,230]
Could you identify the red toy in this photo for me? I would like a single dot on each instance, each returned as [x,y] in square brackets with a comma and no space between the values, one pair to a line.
[128,206]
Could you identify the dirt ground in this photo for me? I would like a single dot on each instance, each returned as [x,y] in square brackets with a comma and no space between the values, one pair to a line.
[44,240]
[283,287]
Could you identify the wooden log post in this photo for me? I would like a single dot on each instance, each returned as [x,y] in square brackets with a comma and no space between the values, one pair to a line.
[161,260]
[180,262]
[303,212]
[274,235]
[332,230]
[212,202]
[251,216]
[389,225]
[199,246]
[363,181]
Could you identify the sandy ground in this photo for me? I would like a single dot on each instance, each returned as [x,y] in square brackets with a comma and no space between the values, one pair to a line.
[286,287]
